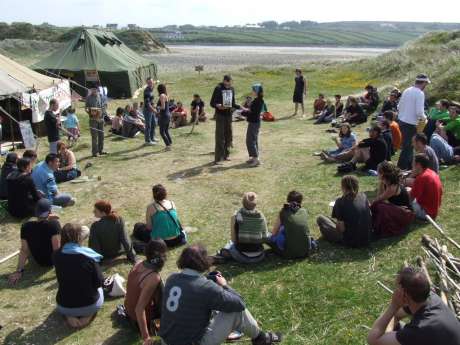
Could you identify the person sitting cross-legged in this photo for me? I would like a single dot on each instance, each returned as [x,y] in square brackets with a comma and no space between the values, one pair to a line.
[352,221]
[354,113]
[67,170]
[327,114]
[197,111]
[426,192]
[144,290]
[179,116]
[79,276]
[108,235]
[205,311]
[391,209]
[290,234]
[346,142]
[248,233]
[39,239]
[432,322]
[318,105]
[445,152]
[22,193]
[43,176]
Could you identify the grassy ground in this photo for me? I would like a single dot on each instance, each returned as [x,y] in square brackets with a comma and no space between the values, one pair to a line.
[325,299]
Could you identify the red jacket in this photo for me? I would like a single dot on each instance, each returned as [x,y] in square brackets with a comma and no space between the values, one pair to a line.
[427,189]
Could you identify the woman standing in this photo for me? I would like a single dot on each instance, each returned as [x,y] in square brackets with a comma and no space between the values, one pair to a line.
[253,118]
[300,91]
[79,278]
[108,235]
[164,116]
[67,164]
[144,290]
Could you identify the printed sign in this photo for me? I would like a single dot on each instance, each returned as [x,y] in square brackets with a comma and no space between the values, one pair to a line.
[227,97]
[28,136]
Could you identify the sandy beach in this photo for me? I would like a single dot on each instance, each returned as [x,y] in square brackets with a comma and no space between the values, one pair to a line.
[217,58]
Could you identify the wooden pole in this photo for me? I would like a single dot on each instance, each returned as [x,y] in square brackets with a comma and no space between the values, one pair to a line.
[6,258]
[437,227]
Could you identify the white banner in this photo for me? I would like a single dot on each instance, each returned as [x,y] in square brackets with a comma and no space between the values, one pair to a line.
[39,102]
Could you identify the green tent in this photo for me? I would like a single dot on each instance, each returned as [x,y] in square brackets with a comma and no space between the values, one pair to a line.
[118,67]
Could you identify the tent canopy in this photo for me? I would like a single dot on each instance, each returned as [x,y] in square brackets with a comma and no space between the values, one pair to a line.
[16,78]
[119,68]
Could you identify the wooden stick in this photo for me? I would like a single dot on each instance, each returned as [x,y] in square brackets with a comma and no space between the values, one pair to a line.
[6,258]
[384,287]
[437,227]
[422,265]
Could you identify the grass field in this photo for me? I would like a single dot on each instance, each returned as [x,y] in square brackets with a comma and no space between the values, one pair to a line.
[323,300]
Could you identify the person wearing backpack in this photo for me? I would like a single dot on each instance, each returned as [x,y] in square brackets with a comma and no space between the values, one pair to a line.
[291,235]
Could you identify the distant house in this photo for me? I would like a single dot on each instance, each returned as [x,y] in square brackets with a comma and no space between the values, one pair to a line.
[174,35]
[132,27]
[252,26]
[112,26]
[287,28]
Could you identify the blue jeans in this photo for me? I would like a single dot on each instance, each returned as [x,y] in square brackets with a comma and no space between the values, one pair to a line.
[407,151]
[441,147]
[62,199]
[83,311]
[150,124]
[164,122]
[418,210]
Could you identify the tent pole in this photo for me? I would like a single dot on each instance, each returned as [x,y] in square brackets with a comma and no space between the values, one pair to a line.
[11,124]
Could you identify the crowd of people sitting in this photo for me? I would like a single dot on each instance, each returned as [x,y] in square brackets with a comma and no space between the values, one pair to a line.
[198,307]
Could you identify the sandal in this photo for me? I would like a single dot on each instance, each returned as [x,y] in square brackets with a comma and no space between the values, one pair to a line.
[267,338]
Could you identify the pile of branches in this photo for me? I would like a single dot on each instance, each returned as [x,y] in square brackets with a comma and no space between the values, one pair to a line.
[447,269]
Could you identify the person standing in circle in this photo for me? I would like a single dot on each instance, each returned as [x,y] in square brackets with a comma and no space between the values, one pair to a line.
[300,91]
[164,115]
[253,118]
[149,113]
[223,101]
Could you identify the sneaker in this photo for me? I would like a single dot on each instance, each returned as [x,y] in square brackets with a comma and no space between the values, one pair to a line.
[249,161]
[217,163]
[227,159]
[255,163]
[71,203]
[102,153]
[267,338]
[168,148]
[95,155]
[156,140]
[150,143]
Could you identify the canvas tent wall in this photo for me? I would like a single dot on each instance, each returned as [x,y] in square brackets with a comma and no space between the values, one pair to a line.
[25,95]
[118,67]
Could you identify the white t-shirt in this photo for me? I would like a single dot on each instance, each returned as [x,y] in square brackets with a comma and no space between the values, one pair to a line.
[411,107]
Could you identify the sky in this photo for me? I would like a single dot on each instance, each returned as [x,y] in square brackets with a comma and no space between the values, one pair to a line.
[157,13]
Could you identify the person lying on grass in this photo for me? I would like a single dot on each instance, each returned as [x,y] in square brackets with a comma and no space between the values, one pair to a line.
[290,234]
[351,220]
[39,239]
[144,290]
[108,235]
[204,311]
[432,322]
[79,276]
[248,233]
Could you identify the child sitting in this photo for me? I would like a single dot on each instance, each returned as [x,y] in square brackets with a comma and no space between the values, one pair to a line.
[179,116]
[117,122]
[72,126]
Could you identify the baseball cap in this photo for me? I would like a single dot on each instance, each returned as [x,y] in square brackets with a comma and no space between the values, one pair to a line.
[43,208]
[423,77]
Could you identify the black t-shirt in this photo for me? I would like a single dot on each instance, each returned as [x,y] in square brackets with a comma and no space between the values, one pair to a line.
[38,235]
[199,104]
[356,215]
[148,97]
[377,151]
[51,126]
[79,278]
[432,324]
[402,199]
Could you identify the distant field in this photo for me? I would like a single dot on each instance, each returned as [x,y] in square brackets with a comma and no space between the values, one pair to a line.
[311,37]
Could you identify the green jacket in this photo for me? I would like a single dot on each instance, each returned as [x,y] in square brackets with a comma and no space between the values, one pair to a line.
[297,233]
[438,115]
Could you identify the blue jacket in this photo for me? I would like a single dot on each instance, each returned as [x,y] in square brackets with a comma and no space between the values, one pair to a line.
[44,180]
